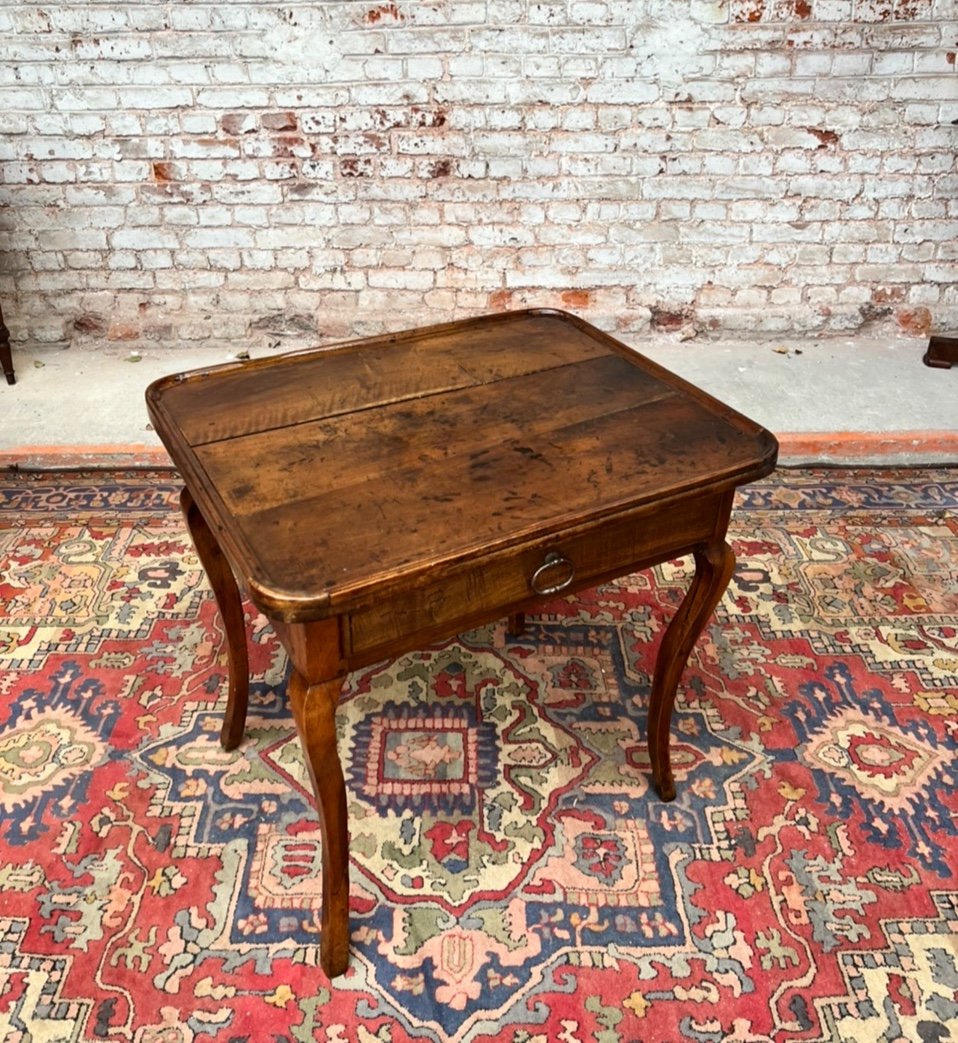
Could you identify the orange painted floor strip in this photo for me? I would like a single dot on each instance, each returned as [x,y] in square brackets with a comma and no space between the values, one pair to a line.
[852,445]
[49,457]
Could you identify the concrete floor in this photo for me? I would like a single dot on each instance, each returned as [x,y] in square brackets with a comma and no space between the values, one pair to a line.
[842,400]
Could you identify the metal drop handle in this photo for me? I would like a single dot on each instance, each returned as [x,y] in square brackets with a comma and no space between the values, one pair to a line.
[552,561]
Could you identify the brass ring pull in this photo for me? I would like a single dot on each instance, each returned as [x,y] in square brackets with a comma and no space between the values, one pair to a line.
[552,561]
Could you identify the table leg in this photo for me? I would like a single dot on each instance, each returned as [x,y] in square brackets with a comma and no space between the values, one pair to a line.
[221,579]
[6,356]
[314,709]
[713,569]
[516,625]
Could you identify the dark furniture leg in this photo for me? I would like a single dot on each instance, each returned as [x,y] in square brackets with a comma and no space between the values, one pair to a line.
[221,579]
[314,709]
[315,686]
[713,569]
[6,357]
[942,352]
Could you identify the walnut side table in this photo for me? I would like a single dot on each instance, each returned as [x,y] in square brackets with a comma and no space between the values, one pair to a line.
[376,496]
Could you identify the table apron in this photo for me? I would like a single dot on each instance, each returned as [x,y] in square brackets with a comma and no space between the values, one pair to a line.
[480,591]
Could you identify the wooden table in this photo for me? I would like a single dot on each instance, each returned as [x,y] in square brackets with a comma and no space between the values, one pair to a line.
[379,495]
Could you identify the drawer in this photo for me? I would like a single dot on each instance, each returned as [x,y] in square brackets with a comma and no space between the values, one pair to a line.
[478,591]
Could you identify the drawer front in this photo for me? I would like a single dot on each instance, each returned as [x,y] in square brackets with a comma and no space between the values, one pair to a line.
[488,589]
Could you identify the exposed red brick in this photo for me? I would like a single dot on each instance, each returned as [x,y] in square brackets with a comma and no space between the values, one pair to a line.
[500,300]
[285,145]
[827,138]
[123,331]
[915,320]
[910,10]
[163,172]
[888,294]
[378,142]
[802,8]
[663,319]
[276,121]
[434,118]
[356,166]
[234,123]
[576,298]
[386,120]
[950,57]
[89,323]
[441,168]
[384,11]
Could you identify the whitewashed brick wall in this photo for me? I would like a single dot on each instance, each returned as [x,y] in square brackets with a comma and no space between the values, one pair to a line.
[285,173]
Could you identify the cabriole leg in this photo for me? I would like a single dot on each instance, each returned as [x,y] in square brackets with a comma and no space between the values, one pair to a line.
[315,686]
[314,708]
[713,569]
[221,579]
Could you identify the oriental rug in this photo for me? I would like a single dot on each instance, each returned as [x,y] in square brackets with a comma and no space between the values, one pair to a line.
[513,875]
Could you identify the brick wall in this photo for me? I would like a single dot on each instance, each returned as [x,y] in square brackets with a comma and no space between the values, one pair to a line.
[257,172]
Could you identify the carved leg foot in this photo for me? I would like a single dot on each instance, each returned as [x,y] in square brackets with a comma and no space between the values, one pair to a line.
[314,708]
[713,569]
[517,624]
[221,579]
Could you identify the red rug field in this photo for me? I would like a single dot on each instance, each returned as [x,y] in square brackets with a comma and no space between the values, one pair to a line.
[513,875]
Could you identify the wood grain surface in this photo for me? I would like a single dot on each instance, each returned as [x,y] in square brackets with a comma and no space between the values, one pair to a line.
[330,473]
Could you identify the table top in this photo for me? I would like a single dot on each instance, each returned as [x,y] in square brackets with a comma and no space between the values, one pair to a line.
[327,473]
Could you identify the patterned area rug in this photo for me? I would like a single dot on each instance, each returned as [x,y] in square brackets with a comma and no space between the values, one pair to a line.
[513,875]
